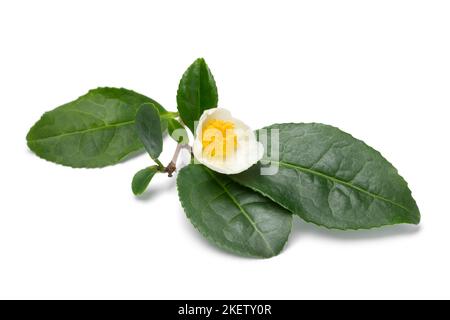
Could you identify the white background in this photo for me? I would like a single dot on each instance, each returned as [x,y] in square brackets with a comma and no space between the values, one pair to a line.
[377,69]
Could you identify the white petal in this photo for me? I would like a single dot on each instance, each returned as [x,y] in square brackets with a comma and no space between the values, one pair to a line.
[249,150]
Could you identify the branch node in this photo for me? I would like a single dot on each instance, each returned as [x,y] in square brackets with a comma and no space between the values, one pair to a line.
[170,169]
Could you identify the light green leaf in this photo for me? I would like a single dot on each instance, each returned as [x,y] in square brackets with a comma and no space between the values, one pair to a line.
[177,132]
[95,130]
[148,128]
[233,217]
[197,92]
[329,178]
[142,179]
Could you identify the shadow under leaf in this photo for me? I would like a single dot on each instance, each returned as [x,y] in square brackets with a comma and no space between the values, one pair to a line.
[301,228]
[157,188]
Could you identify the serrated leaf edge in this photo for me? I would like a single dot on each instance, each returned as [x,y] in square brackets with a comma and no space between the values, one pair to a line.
[299,214]
[224,246]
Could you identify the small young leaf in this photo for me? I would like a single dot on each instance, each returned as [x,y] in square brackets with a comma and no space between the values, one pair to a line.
[142,179]
[233,217]
[93,131]
[148,127]
[197,92]
[329,178]
[177,132]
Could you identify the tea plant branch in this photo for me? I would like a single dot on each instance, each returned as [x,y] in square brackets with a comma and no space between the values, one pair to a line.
[171,167]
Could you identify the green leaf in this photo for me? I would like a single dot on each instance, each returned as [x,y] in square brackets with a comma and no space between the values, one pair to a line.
[148,127]
[329,178]
[231,216]
[95,130]
[177,132]
[142,179]
[197,92]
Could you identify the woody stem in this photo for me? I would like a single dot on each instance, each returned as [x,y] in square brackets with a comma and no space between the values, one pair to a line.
[171,167]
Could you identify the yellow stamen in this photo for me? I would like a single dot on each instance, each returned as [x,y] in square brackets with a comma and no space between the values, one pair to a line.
[218,138]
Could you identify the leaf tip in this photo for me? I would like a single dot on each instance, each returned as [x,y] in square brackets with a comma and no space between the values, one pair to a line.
[141,180]
[200,60]
[135,191]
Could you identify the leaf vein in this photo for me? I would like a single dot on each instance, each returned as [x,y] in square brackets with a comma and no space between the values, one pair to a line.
[109,126]
[243,211]
[338,181]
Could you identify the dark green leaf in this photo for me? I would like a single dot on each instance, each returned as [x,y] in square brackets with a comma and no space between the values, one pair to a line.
[197,92]
[231,216]
[332,179]
[177,131]
[148,128]
[95,130]
[142,179]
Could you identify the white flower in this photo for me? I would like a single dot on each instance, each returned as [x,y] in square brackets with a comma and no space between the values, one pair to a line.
[225,144]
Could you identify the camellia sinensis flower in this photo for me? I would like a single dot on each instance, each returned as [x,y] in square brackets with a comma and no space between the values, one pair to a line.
[225,144]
